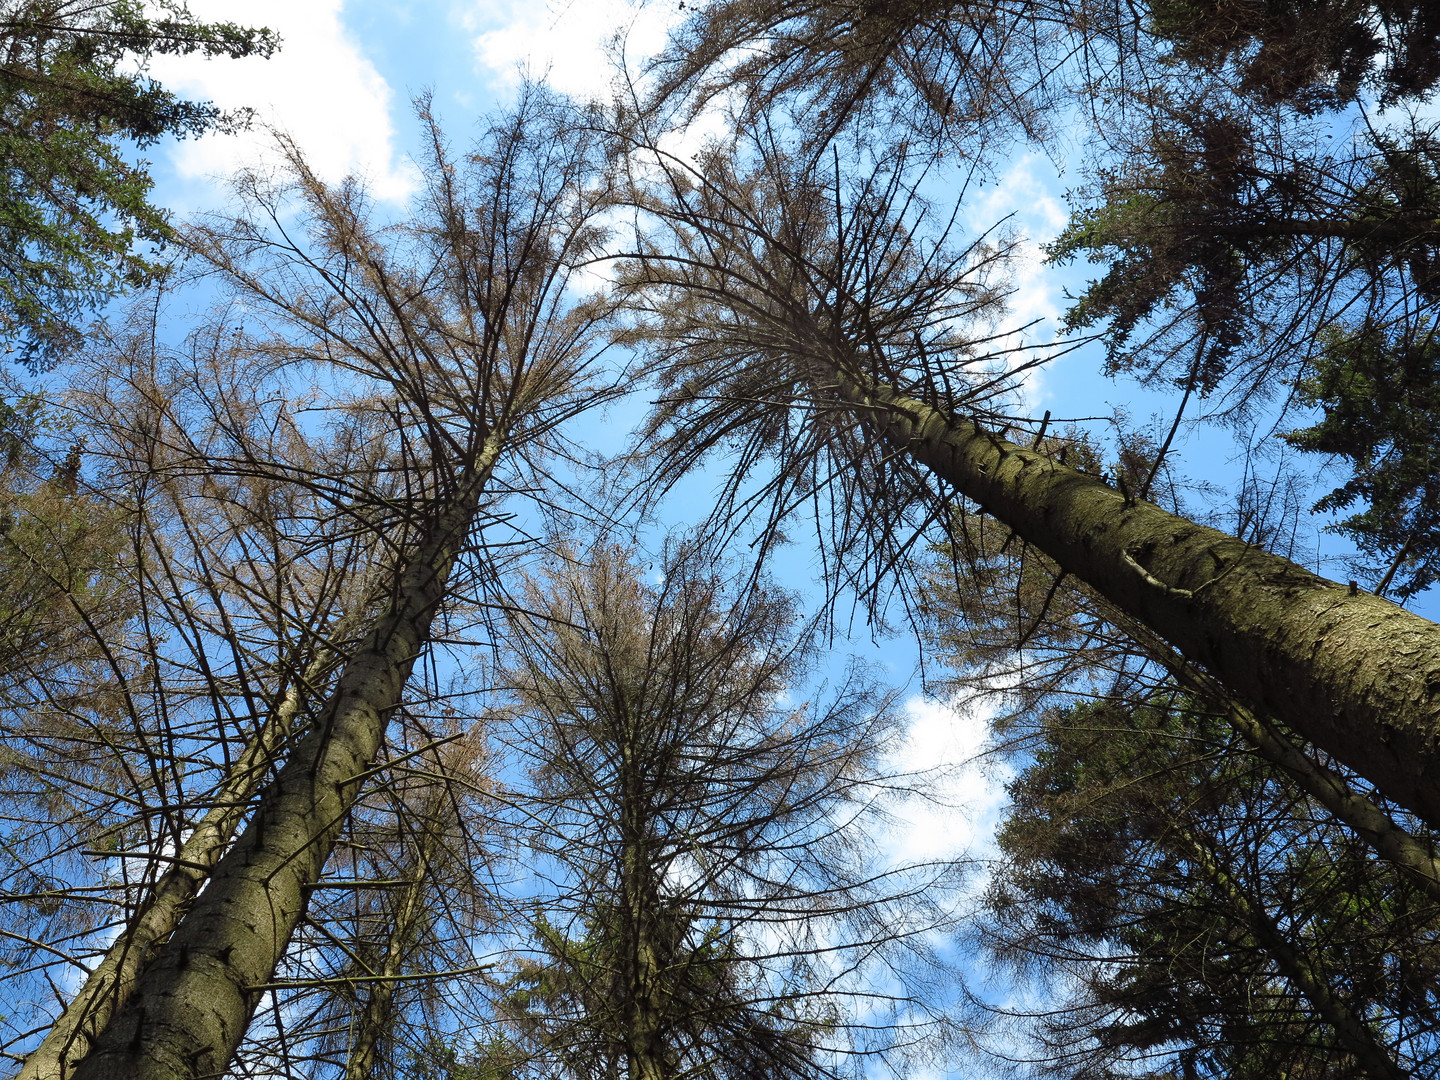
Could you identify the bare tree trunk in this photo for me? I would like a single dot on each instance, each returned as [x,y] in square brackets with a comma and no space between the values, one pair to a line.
[1355,674]
[644,1048]
[192,1005]
[111,981]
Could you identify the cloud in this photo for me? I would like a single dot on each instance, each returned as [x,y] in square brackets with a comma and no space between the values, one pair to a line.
[967,792]
[565,41]
[320,88]
[1025,198]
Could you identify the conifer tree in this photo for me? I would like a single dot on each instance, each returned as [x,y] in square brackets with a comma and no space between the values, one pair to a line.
[74,100]
[455,339]
[816,330]
[1195,915]
[715,904]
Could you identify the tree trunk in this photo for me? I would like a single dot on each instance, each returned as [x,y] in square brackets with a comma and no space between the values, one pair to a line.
[110,983]
[192,1005]
[1355,674]
[644,1048]
[1414,856]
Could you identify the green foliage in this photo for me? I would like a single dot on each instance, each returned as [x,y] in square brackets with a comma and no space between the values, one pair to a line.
[59,549]
[1237,212]
[1188,219]
[1221,243]
[570,997]
[1380,393]
[1158,874]
[496,1059]
[74,206]
[1398,199]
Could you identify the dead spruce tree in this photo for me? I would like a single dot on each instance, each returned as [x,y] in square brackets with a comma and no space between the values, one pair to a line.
[386,958]
[820,330]
[455,332]
[142,743]
[714,898]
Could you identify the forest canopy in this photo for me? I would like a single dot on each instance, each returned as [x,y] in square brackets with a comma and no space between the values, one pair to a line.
[431,627]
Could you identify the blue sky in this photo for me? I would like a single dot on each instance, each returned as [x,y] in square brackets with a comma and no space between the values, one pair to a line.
[344,79]
[342,84]
[342,87]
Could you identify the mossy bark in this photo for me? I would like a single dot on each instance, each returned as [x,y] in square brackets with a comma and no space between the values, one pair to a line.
[193,1003]
[1353,673]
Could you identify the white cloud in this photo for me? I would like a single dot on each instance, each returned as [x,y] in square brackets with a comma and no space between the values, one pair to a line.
[968,792]
[565,41]
[320,88]
[1026,196]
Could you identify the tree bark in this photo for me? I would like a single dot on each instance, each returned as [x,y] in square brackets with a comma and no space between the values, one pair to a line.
[1355,674]
[110,983]
[644,1047]
[192,1005]
[1412,855]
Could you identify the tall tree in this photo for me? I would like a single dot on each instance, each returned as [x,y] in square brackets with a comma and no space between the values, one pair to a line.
[827,338]
[722,907]
[1258,183]
[194,666]
[456,337]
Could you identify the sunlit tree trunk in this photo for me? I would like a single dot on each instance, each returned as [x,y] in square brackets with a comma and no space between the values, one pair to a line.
[191,1006]
[437,348]
[1355,674]
[110,982]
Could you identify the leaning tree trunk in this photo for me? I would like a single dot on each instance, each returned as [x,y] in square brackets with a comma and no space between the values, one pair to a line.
[1414,856]
[109,984]
[1409,853]
[1353,673]
[193,1003]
